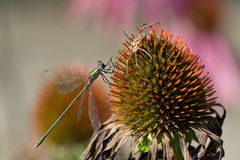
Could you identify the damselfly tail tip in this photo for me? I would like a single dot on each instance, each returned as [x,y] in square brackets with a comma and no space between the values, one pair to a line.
[38,143]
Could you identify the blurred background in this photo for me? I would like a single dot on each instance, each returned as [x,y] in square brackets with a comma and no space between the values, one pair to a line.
[74,34]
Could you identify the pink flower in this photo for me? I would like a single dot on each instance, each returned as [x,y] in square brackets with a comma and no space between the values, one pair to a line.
[120,13]
[218,57]
[110,12]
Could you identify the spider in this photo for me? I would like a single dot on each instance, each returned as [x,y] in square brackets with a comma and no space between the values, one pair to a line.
[135,43]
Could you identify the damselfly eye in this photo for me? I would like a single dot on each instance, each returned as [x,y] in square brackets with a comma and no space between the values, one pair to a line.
[101,65]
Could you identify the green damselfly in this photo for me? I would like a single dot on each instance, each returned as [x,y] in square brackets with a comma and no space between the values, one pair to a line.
[68,82]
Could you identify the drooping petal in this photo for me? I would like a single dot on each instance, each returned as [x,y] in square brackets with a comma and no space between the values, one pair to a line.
[153,149]
[167,150]
[184,148]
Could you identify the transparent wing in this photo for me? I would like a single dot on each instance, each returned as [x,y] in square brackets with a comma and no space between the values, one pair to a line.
[92,112]
[66,82]
[80,109]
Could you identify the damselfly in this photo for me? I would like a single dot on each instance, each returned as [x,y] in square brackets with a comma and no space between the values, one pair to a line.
[68,82]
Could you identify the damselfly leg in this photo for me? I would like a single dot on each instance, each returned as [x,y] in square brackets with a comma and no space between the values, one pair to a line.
[108,68]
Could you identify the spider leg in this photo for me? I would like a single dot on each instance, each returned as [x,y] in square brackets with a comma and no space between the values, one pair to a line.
[113,65]
[127,61]
[121,54]
[136,59]
[143,26]
[116,68]
[145,52]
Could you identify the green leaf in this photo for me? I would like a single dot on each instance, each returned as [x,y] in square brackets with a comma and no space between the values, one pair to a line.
[175,144]
[190,135]
[144,143]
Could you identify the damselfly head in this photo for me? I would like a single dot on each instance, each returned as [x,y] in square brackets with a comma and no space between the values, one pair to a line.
[101,65]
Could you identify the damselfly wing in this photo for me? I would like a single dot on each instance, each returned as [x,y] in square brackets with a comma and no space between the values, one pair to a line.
[93,112]
[65,81]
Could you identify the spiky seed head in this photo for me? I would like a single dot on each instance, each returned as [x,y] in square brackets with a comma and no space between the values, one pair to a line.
[161,94]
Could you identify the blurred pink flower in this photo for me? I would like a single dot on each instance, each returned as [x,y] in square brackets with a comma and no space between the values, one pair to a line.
[110,12]
[218,58]
[197,23]
[119,13]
